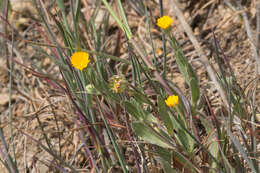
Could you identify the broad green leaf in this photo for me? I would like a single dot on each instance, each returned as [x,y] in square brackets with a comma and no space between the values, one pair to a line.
[186,70]
[195,91]
[165,116]
[185,140]
[194,85]
[182,64]
[132,110]
[149,135]
[182,137]
[135,108]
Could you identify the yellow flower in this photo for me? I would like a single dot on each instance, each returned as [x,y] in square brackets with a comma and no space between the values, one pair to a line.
[80,60]
[164,22]
[172,101]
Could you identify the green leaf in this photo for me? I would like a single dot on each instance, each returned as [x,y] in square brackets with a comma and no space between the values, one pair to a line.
[165,116]
[118,21]
[206,124]
[77,11]
[184,161]
[63,12]
[113,141]
[186,70]
[185,140]
[132,110]
[141,98]
[135,109]
[165,158]
[149,135]
[122,12]
[163,153]
[166,166]
[228,167]
[182,137]
[195,91]
[240,148]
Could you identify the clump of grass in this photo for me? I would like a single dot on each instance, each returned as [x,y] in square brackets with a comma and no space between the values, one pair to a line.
[168,122]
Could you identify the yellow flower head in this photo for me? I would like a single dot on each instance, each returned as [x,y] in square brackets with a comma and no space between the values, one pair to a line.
[80,60]
[164,22]
[172,101]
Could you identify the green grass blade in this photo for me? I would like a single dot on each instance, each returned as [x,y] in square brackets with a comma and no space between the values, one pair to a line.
[75,17]
[122,12]
[227,165]
[63,12]
[241,150]
[118,21]
[113,140]
[8,161]
[253,138]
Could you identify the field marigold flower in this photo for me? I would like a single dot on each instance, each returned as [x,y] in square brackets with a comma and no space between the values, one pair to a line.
[172,101]
[164,22]
[80,60]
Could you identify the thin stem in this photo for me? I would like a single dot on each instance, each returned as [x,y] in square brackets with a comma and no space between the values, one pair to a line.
[164,43]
